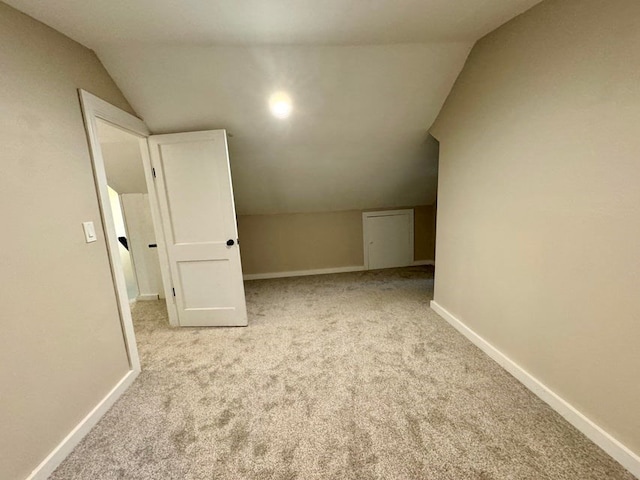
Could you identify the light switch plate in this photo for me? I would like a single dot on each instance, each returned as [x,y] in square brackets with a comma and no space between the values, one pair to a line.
[89,232]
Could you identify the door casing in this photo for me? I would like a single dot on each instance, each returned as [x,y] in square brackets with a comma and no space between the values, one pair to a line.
[93,110]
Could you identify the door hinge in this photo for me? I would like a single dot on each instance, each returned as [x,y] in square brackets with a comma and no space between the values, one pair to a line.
[153,172]
[174,291]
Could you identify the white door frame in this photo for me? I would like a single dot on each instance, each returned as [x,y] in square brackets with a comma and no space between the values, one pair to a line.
[93,109]
[384,213]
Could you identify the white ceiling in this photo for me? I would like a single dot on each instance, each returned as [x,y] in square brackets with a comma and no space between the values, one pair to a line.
[357,137]
[96,23]
[367,78]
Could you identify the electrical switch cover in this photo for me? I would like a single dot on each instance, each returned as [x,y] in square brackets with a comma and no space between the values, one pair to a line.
[89,232]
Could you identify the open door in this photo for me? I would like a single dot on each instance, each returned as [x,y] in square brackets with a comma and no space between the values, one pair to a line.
[191,201]
[195,198]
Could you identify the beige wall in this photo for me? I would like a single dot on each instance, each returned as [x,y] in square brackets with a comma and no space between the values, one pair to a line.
[308,241]
[538,245]
[61,346]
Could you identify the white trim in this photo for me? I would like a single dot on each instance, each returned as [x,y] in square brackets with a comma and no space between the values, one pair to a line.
[146,297]
[65,447]
[417,263]
[594,432]
[93,108]
[385,213]
[302,273]
[320,271]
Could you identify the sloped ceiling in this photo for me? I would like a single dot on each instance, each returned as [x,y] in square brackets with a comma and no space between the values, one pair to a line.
[357,137]
[367,79]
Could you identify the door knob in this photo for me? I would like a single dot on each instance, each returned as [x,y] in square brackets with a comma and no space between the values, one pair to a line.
[230,243]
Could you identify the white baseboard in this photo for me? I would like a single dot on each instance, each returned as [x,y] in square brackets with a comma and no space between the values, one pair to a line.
[303,273]
[320,271]
[146,297]
[64,448]
[595,433]
[417,263]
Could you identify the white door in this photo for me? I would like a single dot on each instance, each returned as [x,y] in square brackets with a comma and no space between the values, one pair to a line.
[195,197]
[388,239]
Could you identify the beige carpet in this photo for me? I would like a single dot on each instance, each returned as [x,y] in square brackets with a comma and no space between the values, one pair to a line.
[347,376]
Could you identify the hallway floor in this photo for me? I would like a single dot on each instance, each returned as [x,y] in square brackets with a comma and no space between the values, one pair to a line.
[347,376]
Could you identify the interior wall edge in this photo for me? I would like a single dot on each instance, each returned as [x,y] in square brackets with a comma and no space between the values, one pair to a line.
[66,446]
[598,435]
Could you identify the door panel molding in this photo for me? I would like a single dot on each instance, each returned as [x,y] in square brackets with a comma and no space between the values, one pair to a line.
[195,199]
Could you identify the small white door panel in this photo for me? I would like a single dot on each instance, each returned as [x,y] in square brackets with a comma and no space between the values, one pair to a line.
[388,239]
[195,196]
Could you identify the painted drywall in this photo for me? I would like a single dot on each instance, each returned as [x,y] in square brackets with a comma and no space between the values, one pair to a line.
[279,22]
[539,202]
[367,80]
[357,136]
[61,345]
[311,241]
[125,255]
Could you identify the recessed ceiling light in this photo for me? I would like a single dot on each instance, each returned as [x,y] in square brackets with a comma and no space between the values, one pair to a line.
[280,105]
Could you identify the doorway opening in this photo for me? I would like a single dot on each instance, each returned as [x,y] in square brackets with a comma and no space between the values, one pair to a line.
[168,214]
[118,147]
[131,213]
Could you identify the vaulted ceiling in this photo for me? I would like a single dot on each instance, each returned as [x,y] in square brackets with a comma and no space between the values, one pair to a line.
[367,79]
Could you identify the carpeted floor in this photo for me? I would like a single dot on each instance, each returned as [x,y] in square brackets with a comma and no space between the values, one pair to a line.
[346,376]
